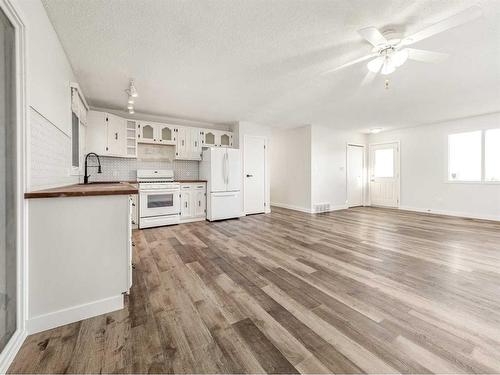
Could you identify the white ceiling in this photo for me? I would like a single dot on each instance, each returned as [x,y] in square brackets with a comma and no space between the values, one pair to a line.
[261,60]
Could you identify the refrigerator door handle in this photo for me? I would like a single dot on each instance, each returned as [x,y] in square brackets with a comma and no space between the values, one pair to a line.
[226,168]
[224,171]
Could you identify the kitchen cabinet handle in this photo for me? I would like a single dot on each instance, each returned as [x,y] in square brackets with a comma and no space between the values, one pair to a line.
[186,204]
[199,203]
[183,142]
[195,143]
[249,175]
[133,204]
[116,136]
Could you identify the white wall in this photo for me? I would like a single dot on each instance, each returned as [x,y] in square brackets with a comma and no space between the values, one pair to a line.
[328,160]
[423,170]
[290,156]
[49,96]
[241,129]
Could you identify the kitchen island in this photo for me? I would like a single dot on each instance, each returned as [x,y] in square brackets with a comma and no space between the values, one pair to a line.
[80,252]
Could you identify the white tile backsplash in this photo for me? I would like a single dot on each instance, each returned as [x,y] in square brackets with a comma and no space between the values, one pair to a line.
[148,157]
[50,154]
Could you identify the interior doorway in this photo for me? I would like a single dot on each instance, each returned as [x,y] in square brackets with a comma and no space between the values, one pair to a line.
[354,174]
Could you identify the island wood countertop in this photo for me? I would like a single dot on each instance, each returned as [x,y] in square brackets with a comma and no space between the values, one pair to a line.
[81,190]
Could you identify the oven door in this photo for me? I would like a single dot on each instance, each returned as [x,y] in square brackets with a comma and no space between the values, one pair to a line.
[159,202]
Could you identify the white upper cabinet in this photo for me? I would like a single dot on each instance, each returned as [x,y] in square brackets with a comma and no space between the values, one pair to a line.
[152,132]
[146,133]
[209,137]
[166,134]
[189,143]
[225,139]
[110,135]
[217,138]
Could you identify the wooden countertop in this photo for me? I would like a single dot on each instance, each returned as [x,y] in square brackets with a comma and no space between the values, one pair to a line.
[81,190]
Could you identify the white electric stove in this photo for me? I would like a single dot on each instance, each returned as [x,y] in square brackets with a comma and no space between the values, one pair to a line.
[159,198]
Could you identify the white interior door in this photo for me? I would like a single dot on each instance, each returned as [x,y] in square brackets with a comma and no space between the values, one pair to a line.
[254,174]
[355,156]
[384,174]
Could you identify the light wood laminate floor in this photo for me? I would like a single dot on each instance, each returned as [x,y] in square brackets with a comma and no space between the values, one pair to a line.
[353,291]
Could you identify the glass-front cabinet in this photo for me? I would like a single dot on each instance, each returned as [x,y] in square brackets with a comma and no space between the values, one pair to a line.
[166,134]
[226,139]
[150,132]
[217,138]
[146,133]
[208,138]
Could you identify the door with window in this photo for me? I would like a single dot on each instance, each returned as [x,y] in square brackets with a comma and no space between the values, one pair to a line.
[384,174]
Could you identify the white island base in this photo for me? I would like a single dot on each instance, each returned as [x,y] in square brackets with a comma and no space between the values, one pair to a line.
[79,258]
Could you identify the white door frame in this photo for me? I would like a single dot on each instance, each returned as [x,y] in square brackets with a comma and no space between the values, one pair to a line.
[266,171]
[398,163]
[13,346]
[347,168]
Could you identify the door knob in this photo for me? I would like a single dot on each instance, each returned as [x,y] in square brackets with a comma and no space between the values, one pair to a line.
[249,175]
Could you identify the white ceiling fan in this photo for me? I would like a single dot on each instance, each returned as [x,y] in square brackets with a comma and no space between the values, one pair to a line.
[390,51]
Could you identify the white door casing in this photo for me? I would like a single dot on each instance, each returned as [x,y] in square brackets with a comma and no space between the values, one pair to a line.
[384,174]
[254,174]
[354,173]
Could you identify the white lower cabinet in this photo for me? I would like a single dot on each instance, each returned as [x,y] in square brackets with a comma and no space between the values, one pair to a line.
[135,212]
[193,202]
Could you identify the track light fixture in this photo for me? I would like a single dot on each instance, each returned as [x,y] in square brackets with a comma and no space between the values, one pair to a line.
[132,94]
[132,91]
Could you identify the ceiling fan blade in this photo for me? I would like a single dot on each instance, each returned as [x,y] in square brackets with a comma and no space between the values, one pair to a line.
[369,77]
[426,56]
[460,18]
[372,35]
[353,62]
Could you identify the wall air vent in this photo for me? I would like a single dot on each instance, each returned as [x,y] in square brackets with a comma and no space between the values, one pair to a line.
[321,207]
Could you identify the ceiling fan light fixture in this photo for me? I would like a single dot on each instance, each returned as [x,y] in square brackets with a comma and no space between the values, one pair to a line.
[400,57]
[375,64]
[388,67]
[375,130]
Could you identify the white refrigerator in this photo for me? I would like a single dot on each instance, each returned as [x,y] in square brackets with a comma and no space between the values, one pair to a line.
[221,168]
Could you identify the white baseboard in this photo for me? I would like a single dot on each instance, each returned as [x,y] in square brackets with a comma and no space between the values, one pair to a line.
[292,207]
[9,352]
[308,210]
[451,213]
[74,314]
[337,208]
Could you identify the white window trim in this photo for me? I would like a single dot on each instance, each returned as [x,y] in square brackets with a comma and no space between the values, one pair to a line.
[77,171]
[483,164]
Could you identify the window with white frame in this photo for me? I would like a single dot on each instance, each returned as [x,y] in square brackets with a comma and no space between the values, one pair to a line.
[492,155]
[79,119]
[474,156]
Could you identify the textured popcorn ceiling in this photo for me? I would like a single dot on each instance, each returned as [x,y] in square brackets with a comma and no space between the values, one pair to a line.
[260,60]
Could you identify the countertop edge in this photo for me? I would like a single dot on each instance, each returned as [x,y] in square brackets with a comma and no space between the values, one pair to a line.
[71,191]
